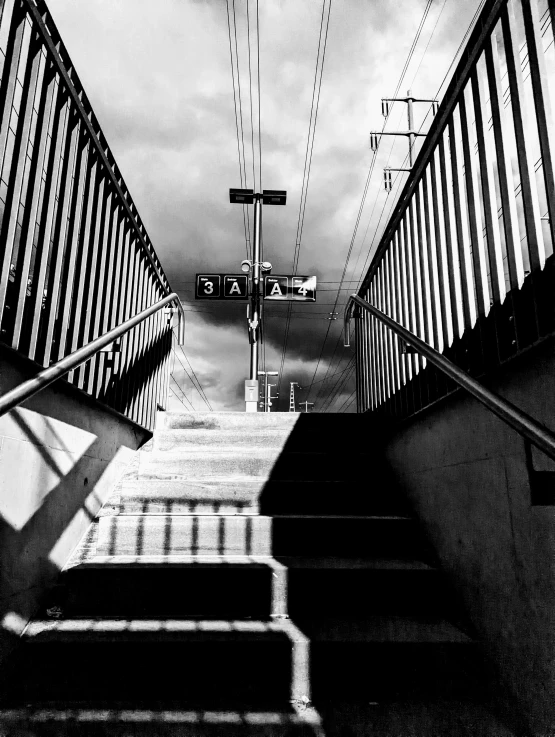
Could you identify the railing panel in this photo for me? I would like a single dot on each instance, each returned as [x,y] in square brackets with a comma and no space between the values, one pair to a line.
[75,258]
[466,261]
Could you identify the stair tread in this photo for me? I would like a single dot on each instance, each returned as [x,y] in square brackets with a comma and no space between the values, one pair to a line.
[376,628]
[330,562]
[165,716]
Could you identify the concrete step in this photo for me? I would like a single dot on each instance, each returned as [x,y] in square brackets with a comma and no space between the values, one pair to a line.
[230,720]
[240,587]
[218,587]
[207,440]
[152,663]
[260,462]
[167,662]
[356,592]
[251,495]
[384,537]
[229,420]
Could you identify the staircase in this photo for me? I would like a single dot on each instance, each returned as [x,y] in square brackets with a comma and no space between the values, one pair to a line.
[252,574]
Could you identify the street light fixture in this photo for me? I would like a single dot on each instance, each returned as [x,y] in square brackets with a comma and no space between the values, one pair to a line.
[256,267]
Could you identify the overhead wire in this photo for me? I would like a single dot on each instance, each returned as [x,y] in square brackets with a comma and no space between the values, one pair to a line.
[316,89]
[238,117]
[366,186]
[198,385]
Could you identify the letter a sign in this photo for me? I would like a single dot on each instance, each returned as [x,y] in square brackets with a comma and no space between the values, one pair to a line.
[276,287]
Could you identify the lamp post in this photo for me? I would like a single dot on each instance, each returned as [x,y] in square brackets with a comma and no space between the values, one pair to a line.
[255,267]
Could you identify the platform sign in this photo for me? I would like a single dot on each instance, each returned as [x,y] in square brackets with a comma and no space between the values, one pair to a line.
[222,286]
[236,287]
[290,288]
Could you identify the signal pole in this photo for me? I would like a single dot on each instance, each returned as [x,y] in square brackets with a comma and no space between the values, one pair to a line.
[255,267]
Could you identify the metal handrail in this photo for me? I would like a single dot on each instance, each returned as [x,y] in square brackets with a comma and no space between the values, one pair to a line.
[32,386]
[539,435]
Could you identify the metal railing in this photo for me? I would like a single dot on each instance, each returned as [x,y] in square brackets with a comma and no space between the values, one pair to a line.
[75,258]
[47,376]
[466,261]
[540,436]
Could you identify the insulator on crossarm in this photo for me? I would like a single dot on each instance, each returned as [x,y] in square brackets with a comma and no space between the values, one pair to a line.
[385,108]
[387,180]
[374,142]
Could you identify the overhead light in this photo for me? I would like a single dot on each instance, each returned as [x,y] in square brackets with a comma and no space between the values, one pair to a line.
[274,196]
[241,196]
[266,266]
[246,266]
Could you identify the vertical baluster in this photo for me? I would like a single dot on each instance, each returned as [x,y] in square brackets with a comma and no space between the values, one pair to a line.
[465,258]
[367,358]
[474,216]
[98,298]
[460,312]
[391,342]
[82,281]
[542,102]
[435,309]
[115,289]
[29,71]
[129,286]
[134,338]
[374,353]
[359,365]
[32,204]
[19,38]
[108,297]
[424,287]
[150,329]
[414,313]
[485,154]
[406,312]
[70,278]
[382,338]
[60,235]
[448,308]
[532,220]
[93,264]
[398,309]
[504,167]
[58,136]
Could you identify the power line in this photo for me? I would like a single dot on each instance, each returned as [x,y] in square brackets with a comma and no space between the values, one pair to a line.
[319,69]
[199,388]
[241,163]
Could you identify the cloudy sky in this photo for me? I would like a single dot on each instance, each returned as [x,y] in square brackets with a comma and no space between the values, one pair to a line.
[158,75]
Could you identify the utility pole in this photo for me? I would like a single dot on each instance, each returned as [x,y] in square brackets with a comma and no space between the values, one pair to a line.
[255,267]
[292,386]
[266,396]
[306,405]
[410,133]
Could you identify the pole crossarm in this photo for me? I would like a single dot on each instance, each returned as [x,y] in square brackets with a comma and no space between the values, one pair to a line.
[398,133]
[523,423]
[46,377]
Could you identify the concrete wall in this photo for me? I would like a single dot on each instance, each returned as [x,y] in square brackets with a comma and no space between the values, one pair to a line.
[60,456]
[466,476]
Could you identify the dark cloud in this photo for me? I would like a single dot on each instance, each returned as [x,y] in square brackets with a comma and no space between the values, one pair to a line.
[159,78]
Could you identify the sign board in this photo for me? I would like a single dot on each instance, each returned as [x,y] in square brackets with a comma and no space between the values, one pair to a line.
[222,286]
[290,288]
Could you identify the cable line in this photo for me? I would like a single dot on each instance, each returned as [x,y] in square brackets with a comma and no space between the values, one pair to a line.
[241,162]
[317,86]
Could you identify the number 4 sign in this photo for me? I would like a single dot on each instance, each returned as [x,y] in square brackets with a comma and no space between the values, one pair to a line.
[290,288]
